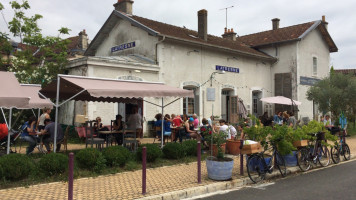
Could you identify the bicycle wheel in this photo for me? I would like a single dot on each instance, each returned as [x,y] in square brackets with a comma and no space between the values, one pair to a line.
[281,164]
[303,159]
[255,168]
[323,156]
[335,154]
[346,152]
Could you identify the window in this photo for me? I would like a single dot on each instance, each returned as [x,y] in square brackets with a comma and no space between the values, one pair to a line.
[191,105]
[315,66]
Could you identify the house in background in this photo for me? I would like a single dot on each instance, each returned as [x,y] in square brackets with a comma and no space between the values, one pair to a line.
[281,61]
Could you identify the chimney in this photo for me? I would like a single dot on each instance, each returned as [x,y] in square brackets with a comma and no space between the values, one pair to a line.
[124,6]
[83,40]
[323,21]
[203,24]
[229,34]
[275,23]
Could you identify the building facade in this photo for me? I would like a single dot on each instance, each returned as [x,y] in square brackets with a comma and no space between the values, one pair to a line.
[270,63]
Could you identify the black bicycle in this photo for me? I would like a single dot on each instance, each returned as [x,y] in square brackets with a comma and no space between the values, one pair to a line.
[319,153]
[258,165]
[341,149]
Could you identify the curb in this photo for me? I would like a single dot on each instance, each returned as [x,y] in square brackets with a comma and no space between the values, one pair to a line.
[221,186]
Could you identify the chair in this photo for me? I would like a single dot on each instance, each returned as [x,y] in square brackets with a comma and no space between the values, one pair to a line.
[90,139]
[81,132]
[65,138]
[131,141]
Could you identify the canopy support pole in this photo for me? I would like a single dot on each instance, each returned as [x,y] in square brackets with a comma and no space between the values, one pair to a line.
[8,132]
[172,102]
[46,98]
[56,117]
[3,114]
[162,127]
[71,97]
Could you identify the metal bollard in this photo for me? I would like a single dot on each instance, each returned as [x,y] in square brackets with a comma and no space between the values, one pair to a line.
[144,170]
[199,161]
[70,176]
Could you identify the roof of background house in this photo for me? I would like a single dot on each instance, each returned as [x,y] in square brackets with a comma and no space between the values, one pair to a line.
[346,71]
[287,34]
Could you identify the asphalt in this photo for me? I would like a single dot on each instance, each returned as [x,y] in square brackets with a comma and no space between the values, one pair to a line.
[336,182]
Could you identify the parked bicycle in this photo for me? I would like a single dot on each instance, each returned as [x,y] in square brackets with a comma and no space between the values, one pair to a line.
[258,165]
[318,153]
[341,149]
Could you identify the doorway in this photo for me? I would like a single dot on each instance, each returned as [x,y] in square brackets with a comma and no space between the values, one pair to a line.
[225,103]
[125,109]
[256,103]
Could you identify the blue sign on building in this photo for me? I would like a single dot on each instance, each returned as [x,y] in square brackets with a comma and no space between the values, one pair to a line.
[227,69]
[123,46]
[308,81]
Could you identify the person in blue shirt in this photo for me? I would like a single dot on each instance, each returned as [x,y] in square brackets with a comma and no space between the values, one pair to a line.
[277,118]
[167,125]
[27,128]
[158,123]
[342,121]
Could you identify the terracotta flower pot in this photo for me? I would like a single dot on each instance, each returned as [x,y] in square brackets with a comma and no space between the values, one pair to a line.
[233,146]
[215,149]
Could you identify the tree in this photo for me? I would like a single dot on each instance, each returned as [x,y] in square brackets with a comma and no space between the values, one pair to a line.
[336,93]
[41,57]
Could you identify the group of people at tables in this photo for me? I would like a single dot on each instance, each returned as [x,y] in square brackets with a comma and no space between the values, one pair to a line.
[190,126]
[134,122]
[41,130]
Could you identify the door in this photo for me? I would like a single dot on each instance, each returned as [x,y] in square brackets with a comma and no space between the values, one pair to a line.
[234,110]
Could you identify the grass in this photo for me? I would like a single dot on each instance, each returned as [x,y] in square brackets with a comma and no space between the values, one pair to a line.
[37,176]
[351,129]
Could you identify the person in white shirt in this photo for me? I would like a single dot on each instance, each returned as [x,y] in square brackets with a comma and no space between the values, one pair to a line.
[225,128]
[135,121]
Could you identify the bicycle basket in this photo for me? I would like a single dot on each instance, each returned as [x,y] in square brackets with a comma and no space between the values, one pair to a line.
[320,136]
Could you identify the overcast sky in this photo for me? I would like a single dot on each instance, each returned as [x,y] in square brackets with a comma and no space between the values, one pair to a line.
[247,16]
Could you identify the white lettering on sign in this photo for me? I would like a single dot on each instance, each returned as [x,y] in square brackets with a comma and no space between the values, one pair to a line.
[227,69]
[123,46]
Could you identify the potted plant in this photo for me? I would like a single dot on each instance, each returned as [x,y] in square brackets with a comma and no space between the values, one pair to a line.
[233,145]
[285,146]
[219,167]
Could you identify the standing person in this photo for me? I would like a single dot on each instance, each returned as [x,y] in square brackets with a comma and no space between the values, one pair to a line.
[48,131]
[292,122]
[45,115]
[196,121]
[118,126]
[27,128]
[135,121]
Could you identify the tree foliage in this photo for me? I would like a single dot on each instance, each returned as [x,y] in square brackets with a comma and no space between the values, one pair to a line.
[40,58]
[336,93]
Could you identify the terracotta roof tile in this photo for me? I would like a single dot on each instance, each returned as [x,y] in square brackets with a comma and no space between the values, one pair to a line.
[346,71]
[187,34]
[275,36]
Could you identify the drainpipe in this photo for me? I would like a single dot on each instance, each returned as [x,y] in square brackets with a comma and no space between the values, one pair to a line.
[159,42]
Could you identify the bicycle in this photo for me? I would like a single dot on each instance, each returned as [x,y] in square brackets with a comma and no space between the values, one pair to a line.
[319,153]
[341,149]
[257,166]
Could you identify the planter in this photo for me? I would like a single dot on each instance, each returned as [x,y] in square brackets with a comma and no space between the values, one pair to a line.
[291,159]
[215,149]
[255,162]
[300,143]
[233,146]
[251,148]
[219,170]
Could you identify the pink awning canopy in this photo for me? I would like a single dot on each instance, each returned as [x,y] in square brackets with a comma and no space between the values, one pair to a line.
[109,90]
[11,94]
[281,100]
[35,101]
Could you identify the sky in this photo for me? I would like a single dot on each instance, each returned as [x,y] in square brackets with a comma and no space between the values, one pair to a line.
[245,17]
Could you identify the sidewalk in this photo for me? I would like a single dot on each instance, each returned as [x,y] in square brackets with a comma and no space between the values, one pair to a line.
[128,185]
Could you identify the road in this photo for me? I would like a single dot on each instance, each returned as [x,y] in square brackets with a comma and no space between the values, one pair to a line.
[337,182]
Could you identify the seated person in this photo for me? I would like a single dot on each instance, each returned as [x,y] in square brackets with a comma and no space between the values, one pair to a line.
[118,126]
[189,129]
[158,123]
[98,126]
[224,127]
[177,121]
[48,133]
[27,128]
[207,130]
[232,131]
[167,125]
[240,130]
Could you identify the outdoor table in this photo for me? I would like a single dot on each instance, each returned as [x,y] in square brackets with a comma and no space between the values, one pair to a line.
[107,133]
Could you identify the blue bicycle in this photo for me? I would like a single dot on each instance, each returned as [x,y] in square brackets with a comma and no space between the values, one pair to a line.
[341,149]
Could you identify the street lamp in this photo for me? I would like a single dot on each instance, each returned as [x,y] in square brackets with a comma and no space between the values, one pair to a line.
[213,75]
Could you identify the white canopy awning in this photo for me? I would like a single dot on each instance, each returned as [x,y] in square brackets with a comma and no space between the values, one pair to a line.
[11,94]
[35,101]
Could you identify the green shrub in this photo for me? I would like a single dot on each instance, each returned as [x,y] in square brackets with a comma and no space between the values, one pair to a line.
[190,147]
[116,155]
[15,166]
[152,152]
[91,159]
[54,163]
[173,151]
